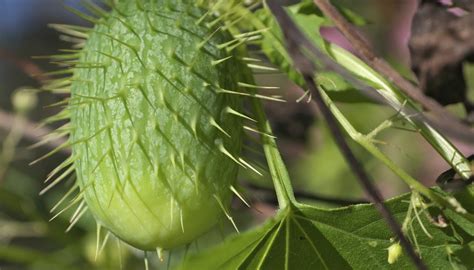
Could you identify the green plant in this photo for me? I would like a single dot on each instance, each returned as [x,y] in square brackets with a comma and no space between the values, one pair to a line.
[136,169]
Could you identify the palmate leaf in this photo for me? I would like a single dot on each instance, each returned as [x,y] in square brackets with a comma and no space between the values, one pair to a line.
[355,237]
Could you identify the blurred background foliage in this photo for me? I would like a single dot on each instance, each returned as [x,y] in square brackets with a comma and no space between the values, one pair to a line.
[29,241]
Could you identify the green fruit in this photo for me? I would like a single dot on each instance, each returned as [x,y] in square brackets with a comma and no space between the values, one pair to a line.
[154,147]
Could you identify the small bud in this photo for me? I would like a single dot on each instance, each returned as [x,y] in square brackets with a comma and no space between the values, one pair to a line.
[394,252]
[418,203]
[24,100]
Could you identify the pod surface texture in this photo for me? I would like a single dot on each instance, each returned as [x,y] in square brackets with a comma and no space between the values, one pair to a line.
[150,126]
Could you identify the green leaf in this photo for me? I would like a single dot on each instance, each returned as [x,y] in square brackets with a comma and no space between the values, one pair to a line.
[355,237]
[464,259]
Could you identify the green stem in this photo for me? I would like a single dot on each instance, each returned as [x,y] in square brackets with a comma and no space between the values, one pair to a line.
[366,142]
[278,171]
[443,146]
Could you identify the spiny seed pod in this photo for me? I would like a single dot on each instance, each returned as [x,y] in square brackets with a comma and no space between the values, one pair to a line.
[154,123]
